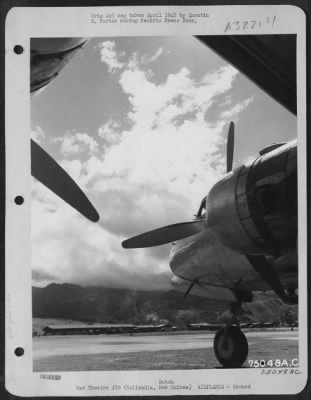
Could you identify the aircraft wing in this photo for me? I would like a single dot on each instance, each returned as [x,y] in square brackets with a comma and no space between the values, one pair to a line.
[265,59]
[48,57]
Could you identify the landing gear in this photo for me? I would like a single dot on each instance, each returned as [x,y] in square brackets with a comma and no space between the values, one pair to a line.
[230,344]
[230,347]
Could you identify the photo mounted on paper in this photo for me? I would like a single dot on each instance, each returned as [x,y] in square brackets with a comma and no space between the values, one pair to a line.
[164,204]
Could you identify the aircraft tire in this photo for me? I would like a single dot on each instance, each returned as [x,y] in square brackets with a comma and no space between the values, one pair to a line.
[237,347]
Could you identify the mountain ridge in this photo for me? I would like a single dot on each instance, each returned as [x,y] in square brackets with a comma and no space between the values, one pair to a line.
[120,305]
[114,305]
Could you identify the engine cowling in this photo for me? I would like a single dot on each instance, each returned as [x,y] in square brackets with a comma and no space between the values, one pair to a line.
[49,56]
[253,209]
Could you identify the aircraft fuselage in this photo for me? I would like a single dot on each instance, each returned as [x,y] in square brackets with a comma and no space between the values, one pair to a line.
[251,211]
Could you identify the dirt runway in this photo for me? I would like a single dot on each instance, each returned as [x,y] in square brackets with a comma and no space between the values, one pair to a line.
[144,352]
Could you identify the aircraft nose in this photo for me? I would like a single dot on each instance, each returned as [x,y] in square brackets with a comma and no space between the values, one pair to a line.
[180,253]
[187,251]
[179,283]
[173,259]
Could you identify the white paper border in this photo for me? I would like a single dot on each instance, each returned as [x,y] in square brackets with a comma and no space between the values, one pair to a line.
[22,24]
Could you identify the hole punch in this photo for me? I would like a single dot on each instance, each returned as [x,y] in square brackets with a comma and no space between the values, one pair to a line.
[19,351]
[18,49]
[19,200]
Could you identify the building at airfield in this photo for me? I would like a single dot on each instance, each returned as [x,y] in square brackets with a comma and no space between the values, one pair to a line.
[97,329]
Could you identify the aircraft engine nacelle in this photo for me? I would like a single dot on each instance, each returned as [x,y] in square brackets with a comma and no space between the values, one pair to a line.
[49,56]
[253,209]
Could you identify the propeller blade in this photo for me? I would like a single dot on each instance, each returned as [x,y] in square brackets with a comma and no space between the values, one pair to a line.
[51,174]
[262,266]
[164,235]
[230,147]
[189,288]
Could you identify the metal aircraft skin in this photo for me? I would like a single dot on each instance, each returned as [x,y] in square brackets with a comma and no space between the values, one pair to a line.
[252,226]
[268,61]
[271,194]
[244,236]
[242,240]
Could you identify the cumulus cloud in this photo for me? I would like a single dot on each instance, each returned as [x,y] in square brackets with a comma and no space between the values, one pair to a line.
[76,143]
[112,58]
[110,132]
[43,277]
[150,174]
[159,104]
[37,134]
[71,249]
[237,108]
[156,55]
[138,60]
[109,55]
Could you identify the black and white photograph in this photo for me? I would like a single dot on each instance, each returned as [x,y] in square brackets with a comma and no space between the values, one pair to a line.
[165,205]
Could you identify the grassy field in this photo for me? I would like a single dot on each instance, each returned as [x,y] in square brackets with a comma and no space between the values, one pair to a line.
[162,360]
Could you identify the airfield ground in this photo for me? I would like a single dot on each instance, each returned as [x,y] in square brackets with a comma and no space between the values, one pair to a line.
[152,352]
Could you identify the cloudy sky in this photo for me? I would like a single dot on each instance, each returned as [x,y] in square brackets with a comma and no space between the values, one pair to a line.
[140,123]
